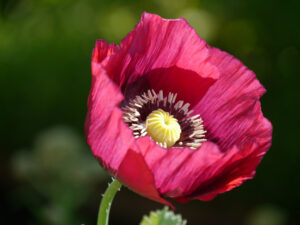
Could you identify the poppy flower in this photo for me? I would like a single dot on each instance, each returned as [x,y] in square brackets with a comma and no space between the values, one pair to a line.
[171,117]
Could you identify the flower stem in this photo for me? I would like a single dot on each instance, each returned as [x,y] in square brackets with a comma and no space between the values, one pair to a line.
[106,201]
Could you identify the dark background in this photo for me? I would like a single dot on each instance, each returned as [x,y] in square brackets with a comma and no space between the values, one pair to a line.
[48,174]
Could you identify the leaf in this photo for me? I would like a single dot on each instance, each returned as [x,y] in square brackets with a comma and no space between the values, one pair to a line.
[163,217]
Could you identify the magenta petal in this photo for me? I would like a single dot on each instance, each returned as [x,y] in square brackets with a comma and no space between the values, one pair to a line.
[178,172]
[233,172]
[230,108]
[205,172]
[107,134]
[237,166]
[134,173]
[232,116]
[102,50]
[163,54]
[180,81]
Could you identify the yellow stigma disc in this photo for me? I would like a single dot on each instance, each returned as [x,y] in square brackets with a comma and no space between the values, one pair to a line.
[163,128]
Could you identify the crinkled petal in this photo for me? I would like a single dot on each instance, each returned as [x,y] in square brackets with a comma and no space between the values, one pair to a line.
[232,116]
[163,55]
[205,172]
[102,50]
[229,108]
[179,171]
[238,166]
[135,174]
[107,134]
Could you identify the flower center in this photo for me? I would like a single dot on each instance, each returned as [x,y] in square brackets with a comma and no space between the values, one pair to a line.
[163,128]
[165,120]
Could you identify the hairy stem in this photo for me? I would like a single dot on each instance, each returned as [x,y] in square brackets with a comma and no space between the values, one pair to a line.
[106,202]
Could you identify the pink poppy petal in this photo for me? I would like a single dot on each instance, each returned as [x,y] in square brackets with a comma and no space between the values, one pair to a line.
[230,108]
[163,54]
[205,172]
[230,175]
[134,173]
[179,171]
[237,166]
[102,50]
[107,134]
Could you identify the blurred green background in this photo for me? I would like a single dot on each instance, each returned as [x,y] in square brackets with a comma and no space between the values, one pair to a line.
[48,174]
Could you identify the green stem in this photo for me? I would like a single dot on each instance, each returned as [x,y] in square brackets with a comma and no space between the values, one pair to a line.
[106,201]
